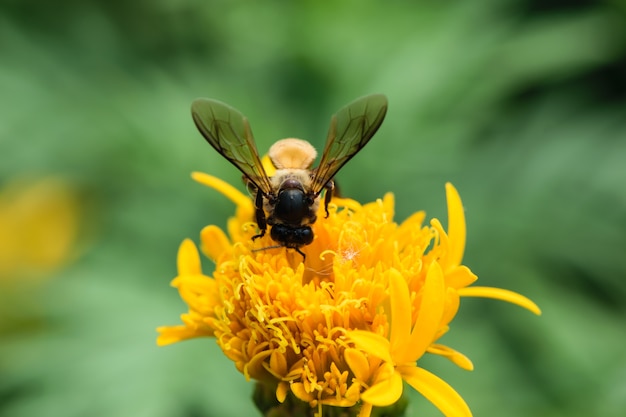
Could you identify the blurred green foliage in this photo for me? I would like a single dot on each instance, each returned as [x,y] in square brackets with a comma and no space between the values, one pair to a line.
[520,103]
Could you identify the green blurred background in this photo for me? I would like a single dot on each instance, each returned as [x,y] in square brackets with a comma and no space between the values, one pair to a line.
[520,103]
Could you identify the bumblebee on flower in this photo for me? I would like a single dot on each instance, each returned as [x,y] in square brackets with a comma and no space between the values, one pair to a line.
[340,320]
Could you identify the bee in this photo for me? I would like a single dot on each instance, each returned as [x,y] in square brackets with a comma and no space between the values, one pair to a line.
[289,200]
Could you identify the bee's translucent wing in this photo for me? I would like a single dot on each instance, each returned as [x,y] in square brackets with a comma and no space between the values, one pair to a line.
[350,130]
[228,131]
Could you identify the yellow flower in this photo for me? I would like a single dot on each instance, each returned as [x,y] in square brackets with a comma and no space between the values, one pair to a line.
[348,325]
[39,227]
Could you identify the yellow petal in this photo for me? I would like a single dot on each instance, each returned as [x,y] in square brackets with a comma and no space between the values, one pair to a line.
[297,388]
[278,363]
[197,287]
[388,206]
[358,363]
[500,294]
[173,334]
[456,357]
[460,277]
[437,391]
[188,261]
[453,302]
[269,167]
[429,315]
[241,200]
[281,391]
[366,410]
[456,226]
[254,367]
[384,393]
[371,343]
[400,313]
[353,393]
[214,242]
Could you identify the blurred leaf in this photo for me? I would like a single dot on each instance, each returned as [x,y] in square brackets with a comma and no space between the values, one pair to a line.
[519,103]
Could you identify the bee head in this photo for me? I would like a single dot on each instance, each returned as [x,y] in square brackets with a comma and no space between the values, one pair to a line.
[291,184]
[292,204]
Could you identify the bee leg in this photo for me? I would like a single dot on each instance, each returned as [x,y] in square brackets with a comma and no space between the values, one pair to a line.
[301,253]
[330,186]
[260,215]
[336,189]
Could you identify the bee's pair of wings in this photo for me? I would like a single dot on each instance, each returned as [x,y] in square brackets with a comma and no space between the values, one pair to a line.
[228,131]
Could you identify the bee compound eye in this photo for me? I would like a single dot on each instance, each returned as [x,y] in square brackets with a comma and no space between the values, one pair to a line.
[306,235]
[279,233]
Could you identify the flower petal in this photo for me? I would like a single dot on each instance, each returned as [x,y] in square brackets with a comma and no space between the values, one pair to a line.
[371,343]
[460,277]
[366,410]
[500,294]
[454,356]
[400,313]
[281,391]
[173,334]
[298,389]
[241,200]
[358,363]
[429,315]
[214,242]
[269,167]
[456,226]
[453,302]
[188,261]
[384,393]
[278,363]
[436,390]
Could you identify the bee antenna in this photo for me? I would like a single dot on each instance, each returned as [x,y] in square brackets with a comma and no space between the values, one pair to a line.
[281,246]
[267,247]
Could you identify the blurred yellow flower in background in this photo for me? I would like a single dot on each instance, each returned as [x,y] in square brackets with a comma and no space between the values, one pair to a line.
[38,228]
[345,327]
[39,222]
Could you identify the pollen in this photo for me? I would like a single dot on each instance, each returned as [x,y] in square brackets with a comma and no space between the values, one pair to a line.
[345,327]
